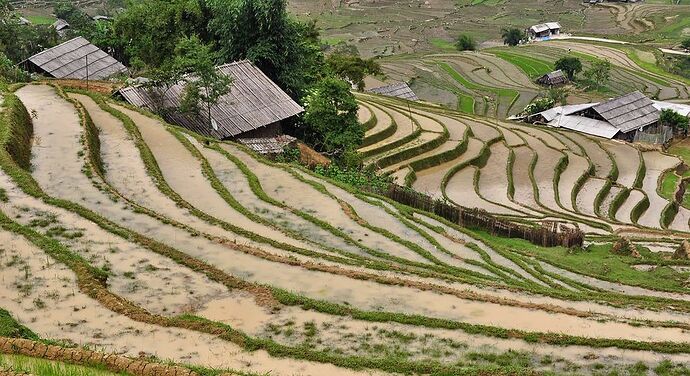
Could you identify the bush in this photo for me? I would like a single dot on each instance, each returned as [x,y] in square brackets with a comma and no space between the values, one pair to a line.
[356,177]
[331,125]
[538,105]
[465,42]
[10,73]
[685,43]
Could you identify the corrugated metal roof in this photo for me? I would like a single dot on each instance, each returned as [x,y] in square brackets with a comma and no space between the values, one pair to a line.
[628,112]
[68,60]
[254,101]
[585,125]
[682,109]
[268,145]
[552,113]
[399,90]
[553,25]
[60,25]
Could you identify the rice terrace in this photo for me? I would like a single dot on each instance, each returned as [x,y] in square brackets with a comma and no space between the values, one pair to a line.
[344,187]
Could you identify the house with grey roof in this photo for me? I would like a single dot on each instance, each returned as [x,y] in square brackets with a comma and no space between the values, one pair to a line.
[631,117]
[544,31]
[253,109]
[554,78]
[75,59]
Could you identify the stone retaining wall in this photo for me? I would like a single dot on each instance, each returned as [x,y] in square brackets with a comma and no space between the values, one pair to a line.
[79,356]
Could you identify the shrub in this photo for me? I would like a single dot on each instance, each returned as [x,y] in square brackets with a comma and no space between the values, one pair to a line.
[538,105]
[465,42]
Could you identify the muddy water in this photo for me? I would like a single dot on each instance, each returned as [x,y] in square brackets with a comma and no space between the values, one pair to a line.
[427,123]
[616,287]
[445,147]
[512,139]
[655,163]
[601,160]
[429,180]
[680,222]
[627,160]
[383,120]
[399,175]
[608,200]
[577,166]
[460,190]
[149,280]
[625,210]
[182,171]
[336,288]
[423,138]
[588,194]
[480,130]
[405,127]
[546,137]
[280,185]
[68,314]
[363,114]
[524,188]
[493,178]
[237,184]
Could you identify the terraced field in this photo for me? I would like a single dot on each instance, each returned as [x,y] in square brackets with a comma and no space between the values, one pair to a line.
[499,81]
[131,236]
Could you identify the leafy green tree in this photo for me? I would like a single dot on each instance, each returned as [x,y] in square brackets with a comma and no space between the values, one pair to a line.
[204,84]
[330,118]
[77,18]
[465,42]
[685,43]
[352,68]
[146,33]
[598,75]
[286,50]
[9,72]
[570,65]
[512,36]
[674,120]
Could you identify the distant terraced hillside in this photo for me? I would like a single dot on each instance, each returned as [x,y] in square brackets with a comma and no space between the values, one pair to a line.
[520,171]
[131,236]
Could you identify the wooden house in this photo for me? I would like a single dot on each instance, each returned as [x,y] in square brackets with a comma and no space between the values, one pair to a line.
[554,78]
[252,110]
[544,31]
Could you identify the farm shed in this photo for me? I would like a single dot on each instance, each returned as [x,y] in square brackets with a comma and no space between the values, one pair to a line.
[631,117]
[76,59]
[544,31]
[398,90]
[254,107]
[553,78]
[682,109]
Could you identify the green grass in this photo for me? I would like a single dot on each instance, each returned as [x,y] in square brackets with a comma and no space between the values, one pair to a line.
[531,66]
[9,327]
[41,20]
[509,95]
[442,44]
[42,367]
[597,261]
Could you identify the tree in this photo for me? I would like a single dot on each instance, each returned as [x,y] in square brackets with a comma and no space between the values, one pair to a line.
[570,65]
[465,42]
[147,32]
[204,84]
[674,120]
[558,95]
[512,36]
[352,68]
[286,50]
[685,43]
[598,74]
[330,118]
